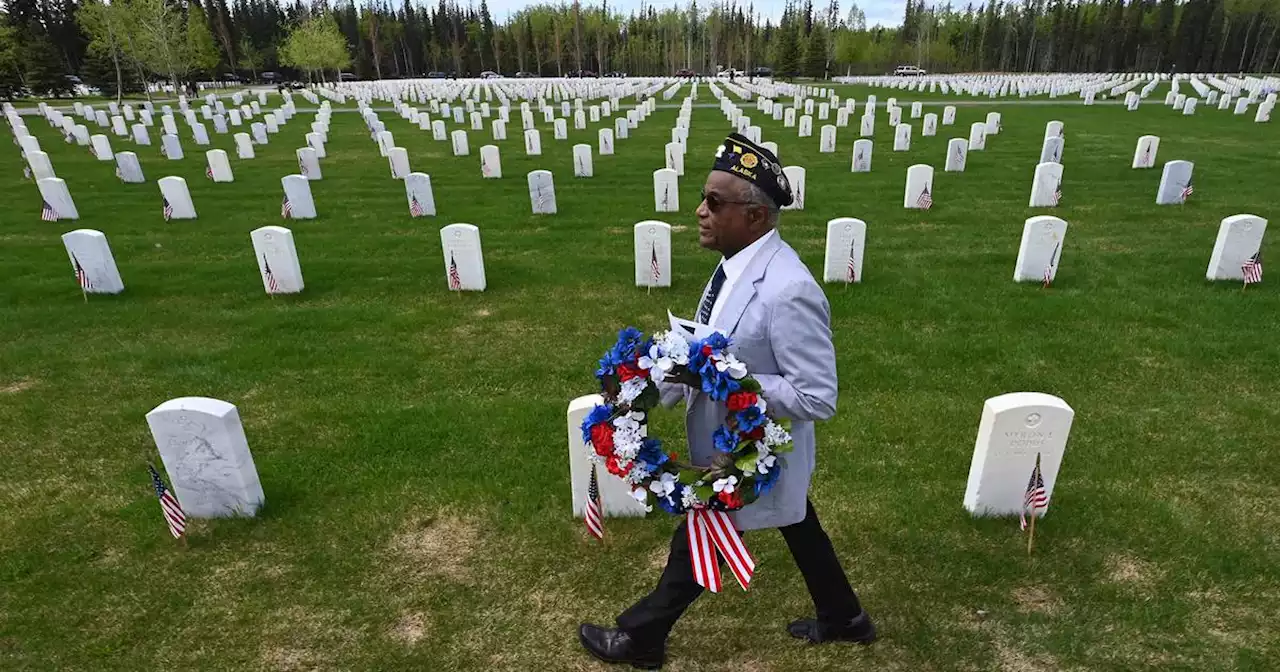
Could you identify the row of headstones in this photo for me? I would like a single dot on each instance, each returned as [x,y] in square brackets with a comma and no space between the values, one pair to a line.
[1015,431]
[1187,106]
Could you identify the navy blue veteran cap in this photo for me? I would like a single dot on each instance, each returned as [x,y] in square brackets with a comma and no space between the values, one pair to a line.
[755,164]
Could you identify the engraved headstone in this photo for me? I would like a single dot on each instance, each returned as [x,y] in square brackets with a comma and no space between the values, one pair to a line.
[176,198]
[54,193]
[128,169]
[919,190]
[205,452]
[846,241]
[862,156]
[419,195]
[219,168]
[666,190]
[463,257]
[277,257]
[398,158]
[1175,183]
[652,254]
[309,163]
[1144,155]
[957,155]
[1040,251]
[542,192]
[92,262]
[977,136]
[1239,238]
[490,162]
[532,142]
[615,494]
[902,138]
[582,164]
[796,177]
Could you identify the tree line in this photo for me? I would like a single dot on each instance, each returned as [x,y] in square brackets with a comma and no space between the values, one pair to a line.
[118,46]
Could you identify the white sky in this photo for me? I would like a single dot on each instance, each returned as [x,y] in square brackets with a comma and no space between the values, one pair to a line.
[883,12]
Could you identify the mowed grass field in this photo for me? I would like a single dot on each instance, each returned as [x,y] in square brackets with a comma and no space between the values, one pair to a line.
[411,442]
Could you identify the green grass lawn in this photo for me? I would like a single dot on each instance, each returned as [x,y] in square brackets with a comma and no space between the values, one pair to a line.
[411,442]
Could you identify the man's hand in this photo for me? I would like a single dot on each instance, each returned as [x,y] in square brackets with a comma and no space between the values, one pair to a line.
[685,377]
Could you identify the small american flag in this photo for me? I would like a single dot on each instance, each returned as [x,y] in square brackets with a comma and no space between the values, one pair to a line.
[415,208]
[286,208]
[606,146]
[173,515]
[594,513]
[1052,266]
[302,167]
[655,268]
[1253,269]
[26,172]
[47,213]
[1057,194]
[925,201]
[208,172]
[82,278]
[167,211]
[1146,155]
[272,285]
[851,272]
[1035,498]
[1187,191]
[455,280]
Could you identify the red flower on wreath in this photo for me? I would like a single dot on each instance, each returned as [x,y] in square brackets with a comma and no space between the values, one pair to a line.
[672,456]
[733,500]
[755,434]
[602,438]
[616,467]
[628,371]
[741,400]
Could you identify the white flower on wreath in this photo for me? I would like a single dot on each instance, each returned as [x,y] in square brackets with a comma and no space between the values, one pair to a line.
[626,443]
[664,486]
[765,459]
[727,484]
[668,351]
[727,362]
[594,458]
[637,474]
[775,435]
[641,495]
[632,389]
[689,499]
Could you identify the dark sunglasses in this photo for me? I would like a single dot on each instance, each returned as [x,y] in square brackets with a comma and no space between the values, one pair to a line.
[714,202]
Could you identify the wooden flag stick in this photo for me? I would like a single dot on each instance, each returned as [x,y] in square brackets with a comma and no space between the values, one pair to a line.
[1031,536]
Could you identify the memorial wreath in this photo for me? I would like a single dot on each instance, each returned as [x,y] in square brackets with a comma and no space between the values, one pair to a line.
[749,443]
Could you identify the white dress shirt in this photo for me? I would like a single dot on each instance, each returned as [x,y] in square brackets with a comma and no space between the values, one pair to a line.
[733,268]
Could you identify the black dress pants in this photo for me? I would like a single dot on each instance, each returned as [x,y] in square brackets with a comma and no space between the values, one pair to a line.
[650,620]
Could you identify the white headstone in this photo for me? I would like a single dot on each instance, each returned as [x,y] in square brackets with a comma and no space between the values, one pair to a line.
[561,130]
[917,110]
[499,129]
[1175,183]
[993,123]
[862,156]
[806,126]
[174,194]
[796,177]
[298,202]
[867,126]
[140,135]
[674,152]
[200,135]
[666,190]
[949,115]
[827,143]
[206,454]
[919,191]
[615,494]
[977,136]
[460,146]
[438,131]
[102,148]
[842,117]
[582,164]
[1144,155]
[532,142]
[930,125]
[789,117]
[477,121]
[902,138]
[653,253]
[846,241]
[1242,106]
[172,148]
[1051,151]
[1239,238]
[219,166]
[90,255]
[490,162]
[277,256]
[169,126]
[118,126]
[605,141]
[419,195]
[621,128]
[1190,107]
[128,169]
[309,164]
[957,155]
[53,191]
[463,258]
[41,168]
[244,146]
[398,158]
[1040,251]
[542,192]
[1179,101]
[1015,428]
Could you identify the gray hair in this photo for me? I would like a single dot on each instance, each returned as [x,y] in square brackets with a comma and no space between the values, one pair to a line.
[756,196]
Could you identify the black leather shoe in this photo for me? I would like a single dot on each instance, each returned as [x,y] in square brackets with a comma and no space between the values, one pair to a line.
[616,646]
[859,629]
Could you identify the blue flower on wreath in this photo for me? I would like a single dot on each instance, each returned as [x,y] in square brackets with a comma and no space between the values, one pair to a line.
[765,482]
[750,417]
[597,415]
[673,503]
[625,350]
[700,352]
[718,384]
[651,454]
[725,439]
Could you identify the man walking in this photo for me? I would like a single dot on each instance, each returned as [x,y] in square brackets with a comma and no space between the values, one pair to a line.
[765,299]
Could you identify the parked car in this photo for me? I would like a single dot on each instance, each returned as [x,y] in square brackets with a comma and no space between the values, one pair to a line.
[729,73]
[525,75]
[269,76]
[489,74]
[615,74]
[436,74]
[685,72]
[909,71]
[762,72]
[580,73]
[347,77]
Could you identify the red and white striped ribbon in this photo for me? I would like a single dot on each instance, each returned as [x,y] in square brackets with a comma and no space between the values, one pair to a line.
[711,532]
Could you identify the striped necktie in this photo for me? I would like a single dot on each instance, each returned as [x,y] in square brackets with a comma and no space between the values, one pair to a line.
[709,301]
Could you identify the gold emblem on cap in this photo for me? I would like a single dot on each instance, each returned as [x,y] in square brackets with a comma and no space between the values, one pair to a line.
[749,160]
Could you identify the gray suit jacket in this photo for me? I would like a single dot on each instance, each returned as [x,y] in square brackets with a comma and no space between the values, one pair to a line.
[780,325]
